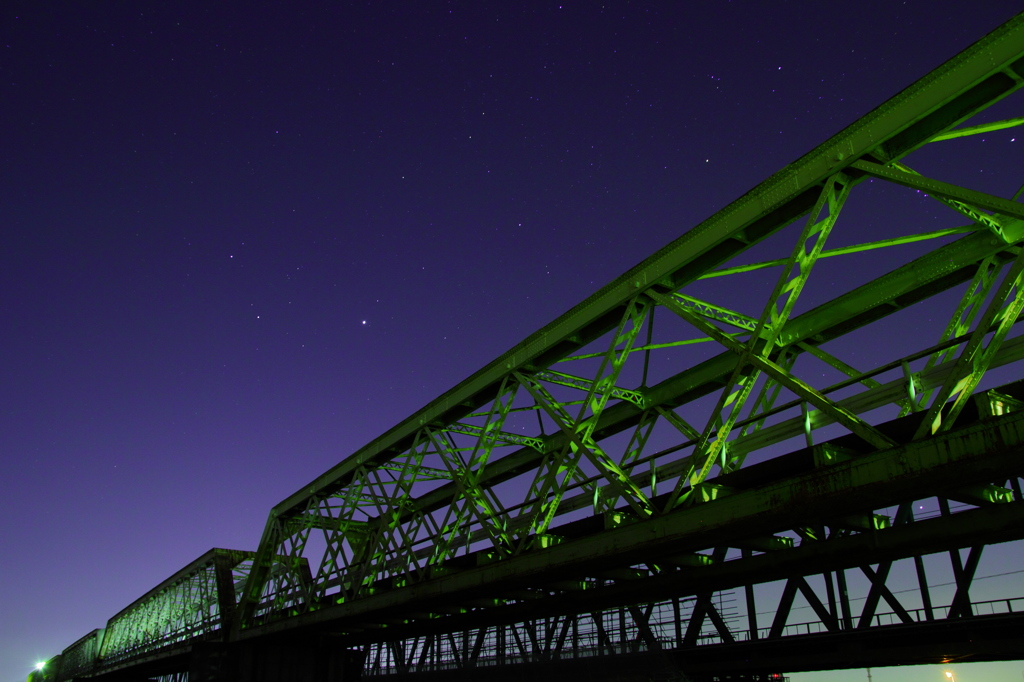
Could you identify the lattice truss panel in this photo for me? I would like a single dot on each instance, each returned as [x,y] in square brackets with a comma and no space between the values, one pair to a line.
[186,607]
[80,657]
[859,296]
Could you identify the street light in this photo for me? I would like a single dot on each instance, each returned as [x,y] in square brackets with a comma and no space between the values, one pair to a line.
[949,676]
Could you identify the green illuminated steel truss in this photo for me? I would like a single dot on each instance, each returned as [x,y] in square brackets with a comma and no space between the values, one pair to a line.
[705,422]
[194,603]
[632,405]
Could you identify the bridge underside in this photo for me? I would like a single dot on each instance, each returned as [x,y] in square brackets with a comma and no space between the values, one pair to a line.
[984,638]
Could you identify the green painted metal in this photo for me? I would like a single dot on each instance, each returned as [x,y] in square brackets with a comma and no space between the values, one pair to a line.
[632,466]
[897,174]
[754,354]
[845,250]
[523,445]
[195,602]
[960,322]
[830,489]
[977,355]
[978,129]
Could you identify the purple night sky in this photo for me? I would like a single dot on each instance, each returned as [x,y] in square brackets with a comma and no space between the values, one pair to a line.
[239,242]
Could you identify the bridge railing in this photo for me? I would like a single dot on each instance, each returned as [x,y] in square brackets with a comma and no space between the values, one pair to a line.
[917,615]
[980,608]
[587,636]
[603,633]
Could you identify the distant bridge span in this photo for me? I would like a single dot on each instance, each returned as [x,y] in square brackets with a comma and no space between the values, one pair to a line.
[676,476]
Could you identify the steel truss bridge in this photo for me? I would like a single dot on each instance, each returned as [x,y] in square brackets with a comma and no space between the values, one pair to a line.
[692,472]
